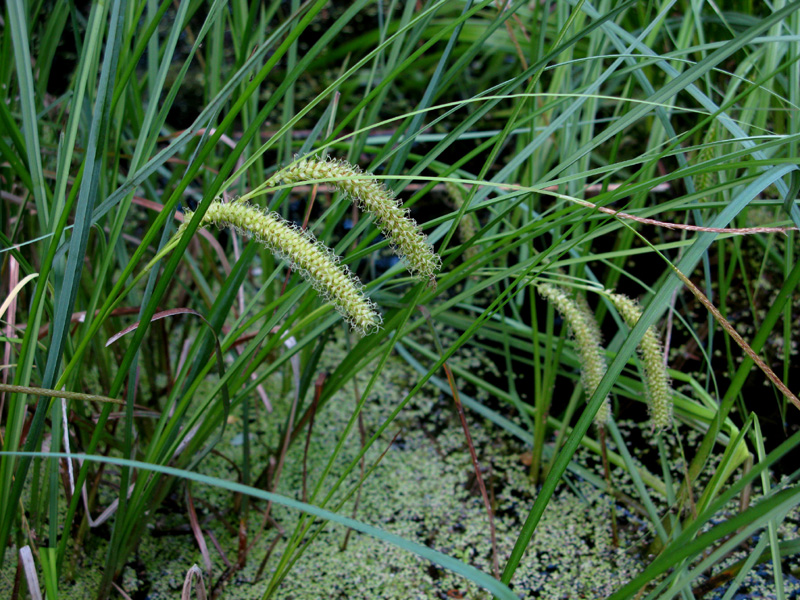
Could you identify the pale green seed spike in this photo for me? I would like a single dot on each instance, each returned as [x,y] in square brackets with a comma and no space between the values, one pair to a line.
[588,315]
[590,351]
[659,391]
[708,180]
[467,227]
[315,262]
[397,226]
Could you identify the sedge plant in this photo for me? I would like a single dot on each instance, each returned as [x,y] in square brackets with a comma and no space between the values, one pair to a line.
[566,129]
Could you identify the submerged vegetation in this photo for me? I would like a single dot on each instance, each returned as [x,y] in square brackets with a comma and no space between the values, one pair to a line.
[464,183]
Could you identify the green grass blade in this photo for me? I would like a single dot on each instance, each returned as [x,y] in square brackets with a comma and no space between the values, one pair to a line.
[478,577]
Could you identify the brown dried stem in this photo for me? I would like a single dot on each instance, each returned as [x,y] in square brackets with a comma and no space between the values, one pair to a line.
[737,338]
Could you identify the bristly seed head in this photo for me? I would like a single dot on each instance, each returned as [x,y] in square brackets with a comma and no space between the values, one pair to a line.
[467,228]
[659,391]
[587,337]
[397,226]
[315,262]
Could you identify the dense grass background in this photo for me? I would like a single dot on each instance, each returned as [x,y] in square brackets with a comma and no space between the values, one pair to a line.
[115,115]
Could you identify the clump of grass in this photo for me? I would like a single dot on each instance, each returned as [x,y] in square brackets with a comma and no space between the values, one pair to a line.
[78,158]
[315,262]
[400,229]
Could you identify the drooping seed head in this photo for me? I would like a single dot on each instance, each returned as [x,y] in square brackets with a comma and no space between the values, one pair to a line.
[588,317]
[315,262]
[657,385]
[397,226]
[588,343]
[466,227]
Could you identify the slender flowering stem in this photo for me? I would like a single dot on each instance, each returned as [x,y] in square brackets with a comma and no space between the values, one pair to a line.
[315,262]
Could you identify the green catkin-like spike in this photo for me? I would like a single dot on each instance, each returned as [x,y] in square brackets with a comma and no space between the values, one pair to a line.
[315,262]
[466,228]
[708,180]
[371,196]
[590,352]
[588,314]
[659,391]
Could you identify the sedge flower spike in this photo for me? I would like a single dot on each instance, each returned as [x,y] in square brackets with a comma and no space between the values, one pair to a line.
[371,196]
[659,391]
[466,228]
[588,343]
[588,315]
[315,262]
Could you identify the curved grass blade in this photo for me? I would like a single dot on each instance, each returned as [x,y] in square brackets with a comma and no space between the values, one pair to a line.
[448,562]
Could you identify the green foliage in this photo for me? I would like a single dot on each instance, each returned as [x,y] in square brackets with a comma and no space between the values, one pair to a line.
[579,138]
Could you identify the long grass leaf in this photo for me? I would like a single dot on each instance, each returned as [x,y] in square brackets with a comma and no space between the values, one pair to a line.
[451,564]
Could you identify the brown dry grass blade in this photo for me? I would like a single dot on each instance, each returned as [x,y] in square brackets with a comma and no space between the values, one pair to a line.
[31,576]
[10,304]
[194,575]
[315,403]
[80,317]
[738,338]
[226,402]
[159,315]
[194,523]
